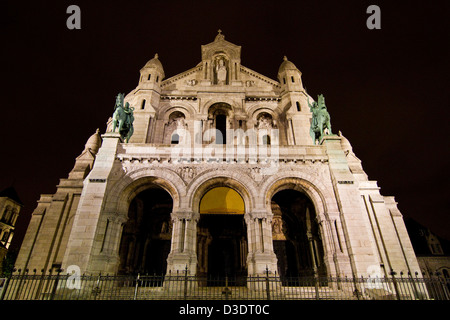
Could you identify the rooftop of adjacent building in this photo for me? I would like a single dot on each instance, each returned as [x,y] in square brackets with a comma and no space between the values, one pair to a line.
[424,241]
[11,193]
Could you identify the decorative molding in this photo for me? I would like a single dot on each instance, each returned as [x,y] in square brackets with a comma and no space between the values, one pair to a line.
[260,76]
[178,97]
[181,76]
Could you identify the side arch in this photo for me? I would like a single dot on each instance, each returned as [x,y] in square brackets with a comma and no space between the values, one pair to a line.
[324,206]
[136,181]
[187,109]
[321,197]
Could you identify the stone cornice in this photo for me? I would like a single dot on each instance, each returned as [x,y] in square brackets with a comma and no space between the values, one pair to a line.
[181,76]
[260,76]
[262,98]
[178,97]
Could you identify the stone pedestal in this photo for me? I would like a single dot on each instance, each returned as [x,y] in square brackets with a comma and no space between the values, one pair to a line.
[85,242]
[359,240]
[261,257]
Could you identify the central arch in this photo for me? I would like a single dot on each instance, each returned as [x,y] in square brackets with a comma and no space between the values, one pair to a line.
[221,232]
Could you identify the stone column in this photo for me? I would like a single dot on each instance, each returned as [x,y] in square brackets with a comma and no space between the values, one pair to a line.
[261,256]
[183,251]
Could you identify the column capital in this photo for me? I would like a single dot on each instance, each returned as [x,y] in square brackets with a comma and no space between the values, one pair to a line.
[115,217]
[259,214]
[185,214]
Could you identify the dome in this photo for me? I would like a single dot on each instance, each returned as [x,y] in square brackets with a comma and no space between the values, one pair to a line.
[287,65]
[94,142]
[155,63]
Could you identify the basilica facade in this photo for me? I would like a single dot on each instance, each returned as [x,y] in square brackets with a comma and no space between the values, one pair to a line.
[221,171]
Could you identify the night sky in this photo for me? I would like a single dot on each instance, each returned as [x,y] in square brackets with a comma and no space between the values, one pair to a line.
[386,90]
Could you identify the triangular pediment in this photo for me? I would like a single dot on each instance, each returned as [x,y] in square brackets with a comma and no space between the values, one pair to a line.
[220,68]
[257,78]
[193,78]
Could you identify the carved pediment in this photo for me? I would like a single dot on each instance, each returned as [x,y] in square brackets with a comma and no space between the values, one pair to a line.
[220,45]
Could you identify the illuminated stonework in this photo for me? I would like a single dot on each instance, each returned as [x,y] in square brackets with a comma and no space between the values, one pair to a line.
[137,207]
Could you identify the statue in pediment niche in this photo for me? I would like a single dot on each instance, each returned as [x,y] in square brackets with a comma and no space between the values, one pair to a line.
[221,71]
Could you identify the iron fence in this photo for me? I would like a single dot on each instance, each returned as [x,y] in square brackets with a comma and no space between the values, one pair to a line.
[182,286]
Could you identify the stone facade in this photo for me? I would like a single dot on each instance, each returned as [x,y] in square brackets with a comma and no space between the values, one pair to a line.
[266,149]
[10,206]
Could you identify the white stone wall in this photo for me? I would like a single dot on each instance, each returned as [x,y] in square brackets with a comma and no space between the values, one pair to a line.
[350,247]
[360,229]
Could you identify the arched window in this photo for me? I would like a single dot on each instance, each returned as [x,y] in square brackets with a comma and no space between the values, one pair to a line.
[6,213]
[149,76]
[298,106]
[445,273]
[5,236]
[143,104]
[266,140]
[221,127]
[175,139]
[220,113]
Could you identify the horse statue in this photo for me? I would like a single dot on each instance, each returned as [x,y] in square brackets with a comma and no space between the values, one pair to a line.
[320,124]
[123,118]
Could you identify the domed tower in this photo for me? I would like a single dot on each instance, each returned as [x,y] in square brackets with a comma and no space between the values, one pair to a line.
[289,76]
[145,98]
[152,74]
[294,100]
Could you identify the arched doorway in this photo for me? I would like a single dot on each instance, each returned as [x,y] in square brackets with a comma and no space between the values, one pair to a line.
[296,238]
[220,116]
[146,236]
[222,237]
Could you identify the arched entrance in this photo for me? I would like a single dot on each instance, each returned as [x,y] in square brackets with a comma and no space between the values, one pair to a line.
[296,238]
[220,116]
[222,236]
[146,236]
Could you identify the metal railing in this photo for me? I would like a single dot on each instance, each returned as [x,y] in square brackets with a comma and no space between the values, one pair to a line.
[182,286]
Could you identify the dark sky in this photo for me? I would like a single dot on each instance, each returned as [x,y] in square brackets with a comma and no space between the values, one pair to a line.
[386,90]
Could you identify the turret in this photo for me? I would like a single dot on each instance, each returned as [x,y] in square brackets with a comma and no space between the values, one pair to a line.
[146,98]
[289,76]
[152,74]
[294,103]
